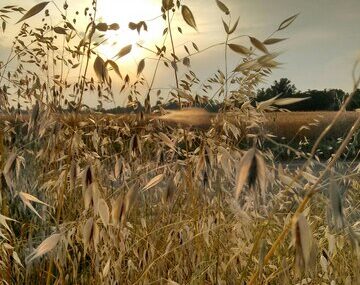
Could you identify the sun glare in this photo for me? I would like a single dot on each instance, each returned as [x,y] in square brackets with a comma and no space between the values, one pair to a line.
[123,12]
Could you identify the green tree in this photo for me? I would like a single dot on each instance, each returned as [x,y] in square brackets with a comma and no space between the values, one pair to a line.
[283,87]
[339,97]
[355,101]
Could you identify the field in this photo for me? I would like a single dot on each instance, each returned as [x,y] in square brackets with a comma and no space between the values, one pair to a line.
[281,124]
[308,124]
[159,214]
[244,196]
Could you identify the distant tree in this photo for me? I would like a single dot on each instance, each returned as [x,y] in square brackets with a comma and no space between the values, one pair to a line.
[355,101]
[325,100]
[319,100]
[283,87]
[339,97]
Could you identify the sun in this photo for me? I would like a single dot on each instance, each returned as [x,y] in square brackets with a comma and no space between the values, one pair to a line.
[123,12]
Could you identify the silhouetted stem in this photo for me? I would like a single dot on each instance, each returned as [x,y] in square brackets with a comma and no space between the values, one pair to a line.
[313,188]
[173,50]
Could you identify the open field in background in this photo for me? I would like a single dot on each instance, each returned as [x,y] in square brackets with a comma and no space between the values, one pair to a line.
[308,124]
[288,125]
[298,130]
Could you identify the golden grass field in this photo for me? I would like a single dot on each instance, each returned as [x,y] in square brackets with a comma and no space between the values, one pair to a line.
[308,124]
[129,203]
[286,125]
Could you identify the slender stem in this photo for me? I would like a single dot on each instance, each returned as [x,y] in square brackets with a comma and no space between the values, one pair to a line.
[87,59]
[213,46]
[48,77]
[322,135]
[157,65]
[7,61]
[226,66]
[313,189]
[154,75]
[4,69]
[173,50]
[154,52]
[62,55]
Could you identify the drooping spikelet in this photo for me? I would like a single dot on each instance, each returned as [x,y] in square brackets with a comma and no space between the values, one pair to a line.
[252,171]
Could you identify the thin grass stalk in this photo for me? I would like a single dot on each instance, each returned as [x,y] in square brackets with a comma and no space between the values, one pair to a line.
[313,190]
[173,50]
[4,67]
[213,46]
[199,234]
[218,235]
[326,130]
[58,215]
[226,66]
[252,253]
[156,67]
[82,88]
[7,62]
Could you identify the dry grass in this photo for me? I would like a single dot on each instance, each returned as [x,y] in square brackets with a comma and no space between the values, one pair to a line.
[308,124]
[287,125]
[182,198]
[140,206]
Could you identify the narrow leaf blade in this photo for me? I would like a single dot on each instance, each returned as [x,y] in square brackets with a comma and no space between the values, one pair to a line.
[272,41]
[141,66]
[33,11]
[188,16]
[124,51]
[287,22]
[153,182]
[258,44]
[288,101]
[223,7]
[239,49]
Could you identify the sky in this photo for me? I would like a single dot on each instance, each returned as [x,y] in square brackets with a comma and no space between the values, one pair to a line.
[322,46]
[323,43]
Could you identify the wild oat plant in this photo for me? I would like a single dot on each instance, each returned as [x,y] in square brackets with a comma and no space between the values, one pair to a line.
[158,196]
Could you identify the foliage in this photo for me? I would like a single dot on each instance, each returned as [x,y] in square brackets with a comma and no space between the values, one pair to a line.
[318,100]
[355,102]
[282,88]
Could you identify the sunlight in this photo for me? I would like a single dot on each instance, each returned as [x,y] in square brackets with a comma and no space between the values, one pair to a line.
[123,12]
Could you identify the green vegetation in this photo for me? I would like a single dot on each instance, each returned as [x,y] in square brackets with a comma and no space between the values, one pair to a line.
[325,100]
[161,197]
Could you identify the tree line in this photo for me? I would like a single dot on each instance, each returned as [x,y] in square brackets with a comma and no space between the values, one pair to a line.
[318,100]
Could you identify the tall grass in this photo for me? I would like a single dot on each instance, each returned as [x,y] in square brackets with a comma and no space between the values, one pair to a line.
[88,199]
